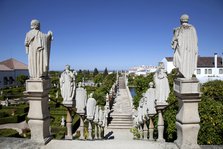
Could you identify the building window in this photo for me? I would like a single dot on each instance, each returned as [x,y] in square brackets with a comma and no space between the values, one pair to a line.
[198,71]
[11,80]
[209,71]
[206,71]
[5,80]
[220,71]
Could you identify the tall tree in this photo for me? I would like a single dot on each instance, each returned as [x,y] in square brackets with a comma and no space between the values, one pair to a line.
[21,79]
[95,71]
[105,72]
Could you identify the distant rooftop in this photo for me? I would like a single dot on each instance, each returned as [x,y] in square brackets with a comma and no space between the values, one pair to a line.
[12,64]
[204,61]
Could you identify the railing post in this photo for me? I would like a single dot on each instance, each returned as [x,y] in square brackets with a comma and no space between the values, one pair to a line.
[69,135]
[145,130]
[187,118]
[141,131]
[151,129]
[95,131]
[82,128]
[99,132]
[89,130]
[159,107]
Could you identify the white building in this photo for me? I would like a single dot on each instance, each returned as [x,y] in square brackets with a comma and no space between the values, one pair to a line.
[208,68]
[9,70]
[142,70]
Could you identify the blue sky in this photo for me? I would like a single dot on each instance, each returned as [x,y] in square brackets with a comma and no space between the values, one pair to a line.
[116,34]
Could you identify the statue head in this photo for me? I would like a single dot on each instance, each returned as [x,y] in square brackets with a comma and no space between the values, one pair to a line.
[151,84]
[161,65]
[184,18]
[79,85]
[67,67]
[35,24]
[90,95]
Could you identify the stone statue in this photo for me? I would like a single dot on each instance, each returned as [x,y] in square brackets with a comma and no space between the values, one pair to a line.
[81,99]
[144,106]
[185,45]
[91,105]
[101,116]
[161,84]
[62,121]
[150,97]
[38,49]
[67,85]
[140,112]
[96,115]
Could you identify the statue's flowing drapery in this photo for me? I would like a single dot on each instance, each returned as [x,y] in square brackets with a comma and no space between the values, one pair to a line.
[38,49]
[185,44]
[67,86]
[161,85]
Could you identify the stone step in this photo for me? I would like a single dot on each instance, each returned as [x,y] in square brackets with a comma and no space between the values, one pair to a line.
[120,115]
[119,127]
[127,125]
[121,122]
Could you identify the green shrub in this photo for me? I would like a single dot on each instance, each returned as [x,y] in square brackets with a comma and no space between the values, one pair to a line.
[10,119]
[211,130]
[9,133]
[3,114]
[135,132]
[13,119]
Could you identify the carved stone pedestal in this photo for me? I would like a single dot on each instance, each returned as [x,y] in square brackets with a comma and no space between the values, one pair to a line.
[145,130]
[90,130]
[159,107]
[96,131]
[81,128]
[188,95]
[69,135]
[151,129]
[39,117]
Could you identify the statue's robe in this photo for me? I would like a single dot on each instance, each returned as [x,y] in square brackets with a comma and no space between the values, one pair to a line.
[38,50]
[67,86]
[81,100]
[161,85]
[150,97]
[185,44]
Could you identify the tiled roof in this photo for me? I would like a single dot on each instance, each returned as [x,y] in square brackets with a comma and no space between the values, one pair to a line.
[169,59]
[4,68]
[14,64]
[204,61]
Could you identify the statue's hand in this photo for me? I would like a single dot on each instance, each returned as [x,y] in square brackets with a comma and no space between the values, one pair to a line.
[50,34]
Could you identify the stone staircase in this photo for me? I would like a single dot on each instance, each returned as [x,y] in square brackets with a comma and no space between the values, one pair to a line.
[120,117]
[120,121]
[121,82]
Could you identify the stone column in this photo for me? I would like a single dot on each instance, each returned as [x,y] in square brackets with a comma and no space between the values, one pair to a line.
[187,119]
[102,132]
[159,107]
[89,130]
[39,117]
[145,130]
[69,135]
[151,129]
[96,131]
[141,131]
[82,128]
[99,132]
